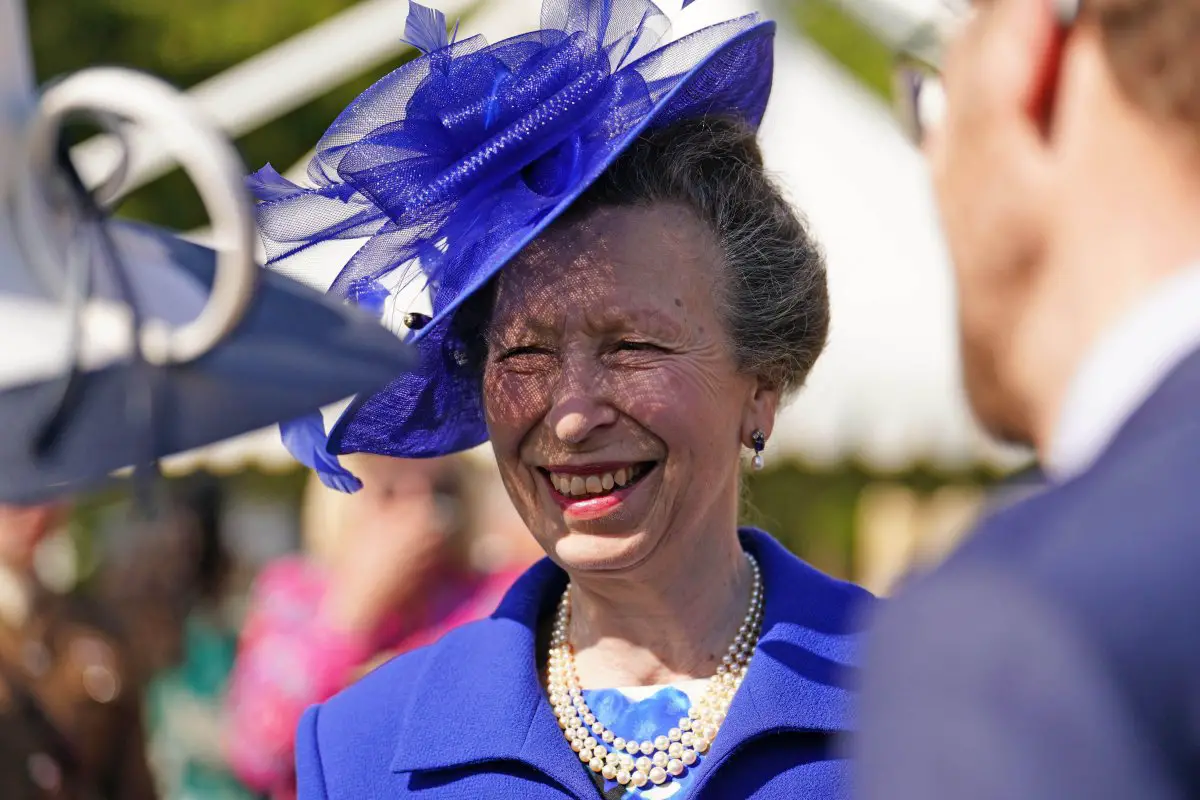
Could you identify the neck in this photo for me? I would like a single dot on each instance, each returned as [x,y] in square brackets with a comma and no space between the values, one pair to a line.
[671,620]
[1108,258]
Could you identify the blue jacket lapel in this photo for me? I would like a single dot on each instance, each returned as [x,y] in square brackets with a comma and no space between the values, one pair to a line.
[1173,405]
[797,678]
[482,699]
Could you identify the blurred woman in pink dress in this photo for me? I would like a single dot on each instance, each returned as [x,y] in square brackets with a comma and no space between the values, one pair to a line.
[387,569]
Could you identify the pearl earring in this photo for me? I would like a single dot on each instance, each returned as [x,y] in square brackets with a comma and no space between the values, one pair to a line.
[760,442]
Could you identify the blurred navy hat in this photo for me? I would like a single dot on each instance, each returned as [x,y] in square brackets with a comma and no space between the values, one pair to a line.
[125,343]
[67,427]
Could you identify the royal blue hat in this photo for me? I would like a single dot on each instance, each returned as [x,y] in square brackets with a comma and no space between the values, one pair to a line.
[453,163]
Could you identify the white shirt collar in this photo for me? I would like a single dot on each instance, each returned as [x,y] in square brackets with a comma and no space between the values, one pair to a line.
[1123,369]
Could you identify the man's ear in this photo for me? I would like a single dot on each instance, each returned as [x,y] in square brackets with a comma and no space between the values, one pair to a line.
[1034,32]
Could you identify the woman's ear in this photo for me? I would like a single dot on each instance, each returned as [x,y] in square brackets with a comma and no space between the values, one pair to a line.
[759,413]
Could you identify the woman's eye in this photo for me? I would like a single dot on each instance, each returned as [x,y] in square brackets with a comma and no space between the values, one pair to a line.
[634,345]
[522,350]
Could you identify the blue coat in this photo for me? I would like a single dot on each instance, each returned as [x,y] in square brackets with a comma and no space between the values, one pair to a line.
[467,716]
[1057,654]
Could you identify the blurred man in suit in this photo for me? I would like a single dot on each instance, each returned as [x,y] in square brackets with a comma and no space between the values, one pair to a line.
[1057,654]
[70,718]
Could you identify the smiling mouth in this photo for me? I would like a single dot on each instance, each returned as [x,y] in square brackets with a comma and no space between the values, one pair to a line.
[584,486]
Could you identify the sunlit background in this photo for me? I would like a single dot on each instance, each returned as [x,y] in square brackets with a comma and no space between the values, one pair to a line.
[873,471]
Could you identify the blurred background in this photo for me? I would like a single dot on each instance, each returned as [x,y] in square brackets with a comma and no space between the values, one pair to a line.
[875,469]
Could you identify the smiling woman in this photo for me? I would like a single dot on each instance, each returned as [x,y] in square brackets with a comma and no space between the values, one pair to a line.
[642,340]
[622,299]
[624,335]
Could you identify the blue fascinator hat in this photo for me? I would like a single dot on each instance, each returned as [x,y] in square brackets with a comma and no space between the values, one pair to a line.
[454,162]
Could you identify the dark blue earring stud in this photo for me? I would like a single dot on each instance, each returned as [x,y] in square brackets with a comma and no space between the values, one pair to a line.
[760,442]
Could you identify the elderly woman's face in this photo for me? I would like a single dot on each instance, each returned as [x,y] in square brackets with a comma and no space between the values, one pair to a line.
[613,401]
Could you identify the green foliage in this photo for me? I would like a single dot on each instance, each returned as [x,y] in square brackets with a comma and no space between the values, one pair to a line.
[186,44]
[848,42]
[812,511]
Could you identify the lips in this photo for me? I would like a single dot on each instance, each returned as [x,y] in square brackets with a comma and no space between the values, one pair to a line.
[594,501]
[595,481]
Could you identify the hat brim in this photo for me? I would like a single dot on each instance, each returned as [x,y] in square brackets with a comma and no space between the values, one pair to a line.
[435,410]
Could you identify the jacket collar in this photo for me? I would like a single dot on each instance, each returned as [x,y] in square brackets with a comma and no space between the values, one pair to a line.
[499,712]
[1167,412]
[798,677]
[1123,370]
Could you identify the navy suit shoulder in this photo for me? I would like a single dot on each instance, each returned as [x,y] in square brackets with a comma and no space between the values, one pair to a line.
[1079,599]
[1116,551]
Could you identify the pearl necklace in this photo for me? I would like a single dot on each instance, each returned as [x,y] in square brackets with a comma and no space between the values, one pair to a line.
[638,763]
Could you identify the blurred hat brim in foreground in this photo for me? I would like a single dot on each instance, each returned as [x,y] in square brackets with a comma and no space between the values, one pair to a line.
[294,351]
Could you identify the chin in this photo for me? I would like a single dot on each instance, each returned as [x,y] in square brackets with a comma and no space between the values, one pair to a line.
[582,552]
[994,408]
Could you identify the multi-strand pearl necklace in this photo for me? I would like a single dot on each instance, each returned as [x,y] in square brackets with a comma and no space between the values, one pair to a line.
[651,761]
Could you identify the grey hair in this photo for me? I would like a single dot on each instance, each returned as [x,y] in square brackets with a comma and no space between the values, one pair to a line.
[776,301]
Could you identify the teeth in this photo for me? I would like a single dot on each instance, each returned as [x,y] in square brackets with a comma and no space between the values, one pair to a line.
[579,485]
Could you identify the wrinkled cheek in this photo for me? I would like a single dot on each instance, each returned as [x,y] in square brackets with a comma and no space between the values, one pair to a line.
[513,402]
[523,492]
[511,409]
[644,394]
[692,411]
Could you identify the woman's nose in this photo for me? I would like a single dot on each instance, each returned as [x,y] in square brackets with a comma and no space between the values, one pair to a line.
[580,405]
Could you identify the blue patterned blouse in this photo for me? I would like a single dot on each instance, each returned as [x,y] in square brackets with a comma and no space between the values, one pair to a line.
[640,713]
